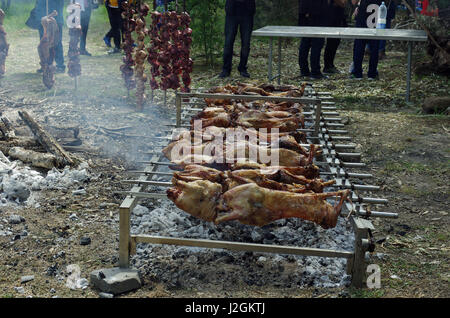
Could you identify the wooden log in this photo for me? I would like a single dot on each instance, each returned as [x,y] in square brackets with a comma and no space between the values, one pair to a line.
[24,142]
[47,141]
[6,128]
[37,159]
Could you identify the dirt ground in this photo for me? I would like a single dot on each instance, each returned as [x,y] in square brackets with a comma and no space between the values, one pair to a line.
[407,153]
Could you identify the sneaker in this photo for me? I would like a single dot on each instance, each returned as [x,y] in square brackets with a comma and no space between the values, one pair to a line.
[60,69]
[331,70]
[351,68]
[224,74]
[354,77]
[107,41]
[244,74]
[114,51]
[84,52]
[372,78]
[318,76]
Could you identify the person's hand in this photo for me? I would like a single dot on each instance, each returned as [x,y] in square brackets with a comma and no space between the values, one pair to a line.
[355,13]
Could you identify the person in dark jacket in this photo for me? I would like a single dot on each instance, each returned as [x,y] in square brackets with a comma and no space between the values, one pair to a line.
[42,10]
[337,18]
[114,8]
[312,13]
[239,14]
[366,17]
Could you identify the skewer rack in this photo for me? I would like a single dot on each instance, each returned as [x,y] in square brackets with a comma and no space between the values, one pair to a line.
[337,162]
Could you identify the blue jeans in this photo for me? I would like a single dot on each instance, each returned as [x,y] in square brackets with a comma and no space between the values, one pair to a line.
[59,54]
[245,26]
[383,42]
[315,45]
[358,56]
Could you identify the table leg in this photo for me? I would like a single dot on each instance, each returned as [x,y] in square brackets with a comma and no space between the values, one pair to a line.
[279,61]
[408,72]
[270,58]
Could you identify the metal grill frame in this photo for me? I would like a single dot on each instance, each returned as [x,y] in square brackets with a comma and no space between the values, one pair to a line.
[318,107]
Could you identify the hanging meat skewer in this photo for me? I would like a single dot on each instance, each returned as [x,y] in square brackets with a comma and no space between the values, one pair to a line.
[169,52]
[74,52]
[4,46]
[46,48]
[141,55]
[129,25]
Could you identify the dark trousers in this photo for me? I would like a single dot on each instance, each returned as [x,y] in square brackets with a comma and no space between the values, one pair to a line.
[358,56]
[245,26]
[115,20]
[314,45]
[85,19]
[330,52]
[59,53]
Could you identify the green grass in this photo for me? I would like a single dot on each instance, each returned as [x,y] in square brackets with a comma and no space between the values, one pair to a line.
[17,15]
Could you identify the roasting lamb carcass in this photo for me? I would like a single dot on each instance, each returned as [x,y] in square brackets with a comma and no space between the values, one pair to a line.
[198,198]
[253,205]
[4,46]
[46,48]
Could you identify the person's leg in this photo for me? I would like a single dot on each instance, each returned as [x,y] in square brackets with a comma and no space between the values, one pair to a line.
[85,19]
[373,61]
[116,25]
[330,53]
[109,34]
[316,50]
[303,52]
[358,56]
[59,52]
[231,28]
[245,29]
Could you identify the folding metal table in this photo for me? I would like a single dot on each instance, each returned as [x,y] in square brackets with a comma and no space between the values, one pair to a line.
[341,33]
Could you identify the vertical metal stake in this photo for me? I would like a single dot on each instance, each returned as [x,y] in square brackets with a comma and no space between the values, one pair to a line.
[270,58]
[165,97]
[178,105]
[318,117]
[408,71]
[279,61]
[124,238]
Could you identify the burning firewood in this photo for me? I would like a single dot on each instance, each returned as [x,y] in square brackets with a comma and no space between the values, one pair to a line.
[47,48]
[4,46]
[47,141]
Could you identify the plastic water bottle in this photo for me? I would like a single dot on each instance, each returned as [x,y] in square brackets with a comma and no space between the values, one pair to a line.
[382,14]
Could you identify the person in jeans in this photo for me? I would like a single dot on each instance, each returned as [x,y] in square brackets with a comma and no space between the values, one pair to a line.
[86,10]
[312,13]
[239,14]
[366,17]
[43,8]
[337,19]
[115,20]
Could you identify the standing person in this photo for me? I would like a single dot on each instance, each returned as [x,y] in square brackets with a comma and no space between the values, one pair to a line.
[114,8]
[42,9]
[239,14]
[86,10]
[337,19]
[312,13]
[366,17]
[391,5]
